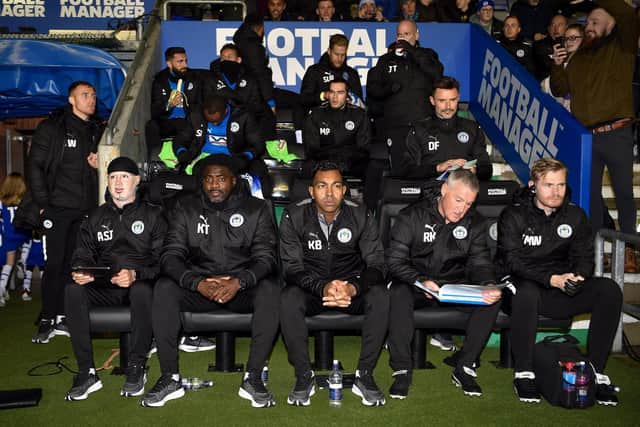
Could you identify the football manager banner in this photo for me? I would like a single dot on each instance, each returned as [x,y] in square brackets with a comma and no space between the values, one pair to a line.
[522,121]
[295,46]
[45,15]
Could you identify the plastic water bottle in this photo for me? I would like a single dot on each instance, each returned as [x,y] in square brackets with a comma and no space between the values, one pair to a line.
[568,384]
[335,385]
[265,375]
[582,385]
[196,383]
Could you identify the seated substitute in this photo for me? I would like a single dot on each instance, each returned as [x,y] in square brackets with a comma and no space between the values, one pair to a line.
[230,79]
[175,92]
[546,244]
[332,259]
[337,131]
[220,128]
[443,140]
[220,251]
[439,240]
[314,89]
[124,234]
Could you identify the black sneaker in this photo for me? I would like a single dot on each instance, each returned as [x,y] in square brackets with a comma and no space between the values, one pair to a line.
[45,332]
[136,379]
[194,344]
[443,342]
[61,328]
[455,358]
[303,390]
[365,387]
[253,389]
[525,387]
[465,378]
[165,389]
[400,387]
[83,385]
[605,391]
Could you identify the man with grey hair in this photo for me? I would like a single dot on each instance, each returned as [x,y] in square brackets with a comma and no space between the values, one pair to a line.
[439,240]
[599,78]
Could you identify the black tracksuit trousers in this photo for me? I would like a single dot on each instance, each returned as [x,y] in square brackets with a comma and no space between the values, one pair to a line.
[297,303]
[80,298]
[405,298]
[599,296]
[170,299]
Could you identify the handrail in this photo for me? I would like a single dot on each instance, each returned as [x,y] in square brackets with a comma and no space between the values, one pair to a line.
[618,240]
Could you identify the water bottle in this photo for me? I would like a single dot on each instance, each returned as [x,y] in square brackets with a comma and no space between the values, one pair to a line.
[335,385]
[196,383]
[568,384]
[265,375]
[582,385]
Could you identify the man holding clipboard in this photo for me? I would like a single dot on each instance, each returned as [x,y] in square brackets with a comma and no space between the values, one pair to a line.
[115,263]
[440,239]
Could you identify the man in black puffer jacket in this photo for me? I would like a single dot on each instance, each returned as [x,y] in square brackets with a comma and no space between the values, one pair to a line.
[229,78]
[546,244]
[441,141]
[175,92]
[63,182]
[125,236]
[220,251]
[332,65]
[338,132]
[332,259]
[436,241]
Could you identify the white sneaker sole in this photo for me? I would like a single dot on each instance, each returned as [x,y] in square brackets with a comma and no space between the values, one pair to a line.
[95,387]
[356,390]
[44,341]
[296,402]
[245,395]
[606,403]
[58,332]
[194,349]
[526,399]
[397,396]
[437,343]
[171,396]
[135,393]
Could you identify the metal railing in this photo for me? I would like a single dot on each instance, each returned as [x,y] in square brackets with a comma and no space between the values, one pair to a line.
[618,241]
[124,134]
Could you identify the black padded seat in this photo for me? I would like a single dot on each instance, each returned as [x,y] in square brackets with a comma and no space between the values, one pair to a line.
[110,319]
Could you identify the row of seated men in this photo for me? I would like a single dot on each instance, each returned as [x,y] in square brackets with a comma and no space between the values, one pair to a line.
[411,111]
[219,247]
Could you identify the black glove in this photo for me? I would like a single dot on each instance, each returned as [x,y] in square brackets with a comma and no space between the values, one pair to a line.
[403,44]
[572,287]
[184,157]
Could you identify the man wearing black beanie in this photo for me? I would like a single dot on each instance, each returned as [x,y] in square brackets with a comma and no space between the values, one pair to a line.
[115,263]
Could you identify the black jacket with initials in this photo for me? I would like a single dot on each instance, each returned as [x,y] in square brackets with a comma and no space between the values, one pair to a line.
[353,251]
[129,238]
[340,135]
[243,134]
[534,246]
[404,83]
[424,247]
[434,140]
[318,77]
[235,238]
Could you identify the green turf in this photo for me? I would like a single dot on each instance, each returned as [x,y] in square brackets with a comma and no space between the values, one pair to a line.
[433,399]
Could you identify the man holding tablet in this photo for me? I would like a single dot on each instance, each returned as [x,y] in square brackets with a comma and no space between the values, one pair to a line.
[115,263]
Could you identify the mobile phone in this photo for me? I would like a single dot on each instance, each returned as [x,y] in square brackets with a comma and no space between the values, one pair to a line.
[94,270]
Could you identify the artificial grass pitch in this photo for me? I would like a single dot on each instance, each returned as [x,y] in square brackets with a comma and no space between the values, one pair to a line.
[432,398]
